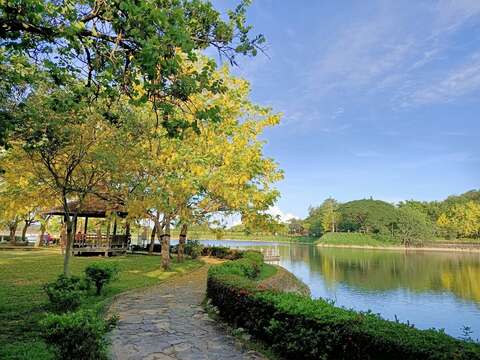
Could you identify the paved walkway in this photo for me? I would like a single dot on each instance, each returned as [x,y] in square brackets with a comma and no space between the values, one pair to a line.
[167,322]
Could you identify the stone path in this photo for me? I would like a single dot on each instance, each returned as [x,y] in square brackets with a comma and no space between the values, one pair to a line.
[167,322]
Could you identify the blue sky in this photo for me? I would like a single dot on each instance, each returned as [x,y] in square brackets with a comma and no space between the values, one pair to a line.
[379,98]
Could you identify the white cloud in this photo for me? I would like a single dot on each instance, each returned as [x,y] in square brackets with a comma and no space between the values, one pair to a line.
[284,217]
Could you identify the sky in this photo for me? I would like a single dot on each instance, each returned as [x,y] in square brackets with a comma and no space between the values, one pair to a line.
[379,98]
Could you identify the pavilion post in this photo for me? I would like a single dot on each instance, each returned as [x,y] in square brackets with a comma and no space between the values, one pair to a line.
[86,225]
[75,223]
[127,234]
[108,238]
[115,225]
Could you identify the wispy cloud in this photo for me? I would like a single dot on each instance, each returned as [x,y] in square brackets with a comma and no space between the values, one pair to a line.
[388,53]
[463,80]
[435,160]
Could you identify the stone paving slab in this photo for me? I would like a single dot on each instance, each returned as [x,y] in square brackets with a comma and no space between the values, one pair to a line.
[167,322]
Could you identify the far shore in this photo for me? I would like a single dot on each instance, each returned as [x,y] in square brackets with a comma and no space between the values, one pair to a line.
[473,249]
[259,240]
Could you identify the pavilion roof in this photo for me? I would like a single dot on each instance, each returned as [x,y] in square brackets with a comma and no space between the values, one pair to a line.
[92,206]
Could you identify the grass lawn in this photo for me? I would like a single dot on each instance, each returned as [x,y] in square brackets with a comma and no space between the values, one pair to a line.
[23,302]
[266,272]
[355,239]
[230,235]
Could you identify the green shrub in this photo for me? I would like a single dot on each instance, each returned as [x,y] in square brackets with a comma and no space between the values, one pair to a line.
[298,327]
[222,252]
[100,274]
[193,248]
[249,265]
[66,293]
[78,335]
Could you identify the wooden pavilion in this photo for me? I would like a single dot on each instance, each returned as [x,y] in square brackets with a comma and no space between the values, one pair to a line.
[87,242]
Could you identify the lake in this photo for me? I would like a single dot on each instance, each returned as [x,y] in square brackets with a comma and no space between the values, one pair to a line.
[428,289]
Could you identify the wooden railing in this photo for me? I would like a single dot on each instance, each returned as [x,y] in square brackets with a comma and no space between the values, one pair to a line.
[270,253]
[100,241]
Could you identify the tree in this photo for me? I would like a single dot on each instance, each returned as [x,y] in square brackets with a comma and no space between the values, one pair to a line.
[67,145]
[432,209]
[462,219]
[324,218]
[314,221]
[219,169]
[412,226]
[330,216]
[113,46]
[22,197]
[295,227]
[368,216]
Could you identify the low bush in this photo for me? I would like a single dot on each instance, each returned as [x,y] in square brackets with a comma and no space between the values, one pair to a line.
[193,248]
[66,293]
[101,274]
[249,266]
[298,327]
[77,335]
[222,252]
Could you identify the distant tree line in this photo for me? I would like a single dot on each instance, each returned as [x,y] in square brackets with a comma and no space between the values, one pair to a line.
[408,222]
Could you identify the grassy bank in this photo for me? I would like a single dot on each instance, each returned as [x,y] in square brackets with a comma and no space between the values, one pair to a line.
[375,241]
[23,302]
[231,235]
[356,239]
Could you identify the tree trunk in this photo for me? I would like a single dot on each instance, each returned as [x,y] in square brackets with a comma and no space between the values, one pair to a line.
[181,243]
[69,245]
[24,230]
[40,241]
[152,239]
[13,230]
[155,230]
[165,241]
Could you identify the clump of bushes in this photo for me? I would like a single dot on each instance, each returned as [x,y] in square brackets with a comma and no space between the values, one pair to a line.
[248,266]
[193,248]
[298,327]
[80,334]
[65,293]
[222,252]
[100,274]
[77,335]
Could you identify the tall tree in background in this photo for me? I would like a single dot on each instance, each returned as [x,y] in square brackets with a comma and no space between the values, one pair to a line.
[412,226]
[463,219]
[330,215]
[22,198]
[324,218]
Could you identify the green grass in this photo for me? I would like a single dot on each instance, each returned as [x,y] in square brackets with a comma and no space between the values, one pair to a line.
[266,272]
[234,235]
[23,302]
[355,239]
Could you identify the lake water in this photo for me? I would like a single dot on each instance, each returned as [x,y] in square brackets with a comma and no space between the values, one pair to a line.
[428,289]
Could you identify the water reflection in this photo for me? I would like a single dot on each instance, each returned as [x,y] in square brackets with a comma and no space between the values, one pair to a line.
[429,289]
[376,270]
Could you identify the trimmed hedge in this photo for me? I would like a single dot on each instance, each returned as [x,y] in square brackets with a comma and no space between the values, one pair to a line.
[298,327]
